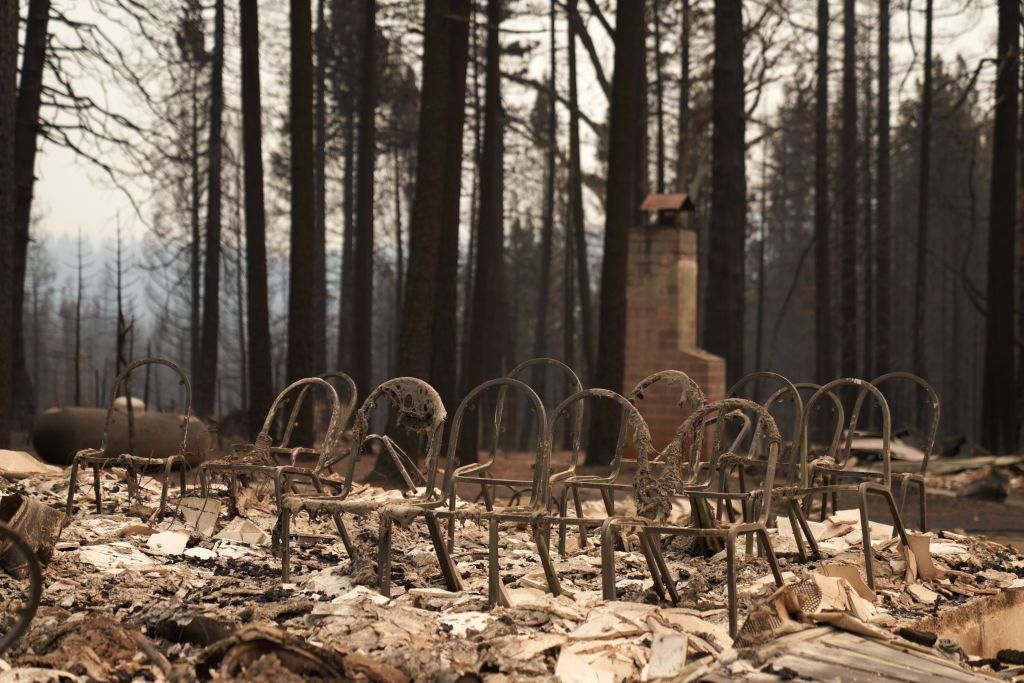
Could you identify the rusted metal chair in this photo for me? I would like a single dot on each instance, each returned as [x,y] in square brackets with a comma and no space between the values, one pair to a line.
[260,458]
[12,541]
[789,460]
[651,527]
[824,467]
[430,509]
[690,397]
[905,479]
[482,474]
[417,409]
[631,423]
[99,457]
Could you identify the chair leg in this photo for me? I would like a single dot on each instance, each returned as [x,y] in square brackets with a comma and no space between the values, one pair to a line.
[384,554]
[865,525]
[541,538]
[96,488]
[666,574]
[451,520]
[451,575]
[495,595]
[923,501]
[608,559]
[71,486]
[730,561]
[808,534]
[284,524]
[578,504]
[652,565]
[792,507]
[563,510]
[773,562]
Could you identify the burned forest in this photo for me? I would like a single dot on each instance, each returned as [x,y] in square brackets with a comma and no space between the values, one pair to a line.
[588,341]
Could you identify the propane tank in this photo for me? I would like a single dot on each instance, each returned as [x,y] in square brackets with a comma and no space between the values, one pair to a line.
[59,433]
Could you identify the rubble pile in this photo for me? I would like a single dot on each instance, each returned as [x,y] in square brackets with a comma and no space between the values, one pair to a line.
[197,595]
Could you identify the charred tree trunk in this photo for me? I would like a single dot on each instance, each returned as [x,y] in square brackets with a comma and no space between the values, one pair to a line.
[8,96]
[540,331]
[848,193]
[489,228]
[620,205]
[320,195]
[206,382]
[825,363]
[999,427]
[659,100]
[300,292]
[576,215]
[362,353]
[261,388]
[345,312]
[869,231]
[724,329]
[443,361]
[415,344]
[923,180]
[26,136]
[883,221]
[682,165]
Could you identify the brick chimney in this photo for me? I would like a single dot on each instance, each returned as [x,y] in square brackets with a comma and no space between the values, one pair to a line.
[661,314]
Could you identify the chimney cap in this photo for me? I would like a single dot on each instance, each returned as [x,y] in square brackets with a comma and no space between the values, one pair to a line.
[667,202]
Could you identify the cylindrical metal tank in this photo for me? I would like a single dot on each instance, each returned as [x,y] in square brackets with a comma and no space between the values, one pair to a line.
[61,432]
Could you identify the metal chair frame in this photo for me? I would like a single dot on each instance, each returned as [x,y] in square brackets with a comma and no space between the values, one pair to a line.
[98,457]
[419,409]
[651,531]
[264,453]
[430,512]
[795,495]
[27,611]
[905,479]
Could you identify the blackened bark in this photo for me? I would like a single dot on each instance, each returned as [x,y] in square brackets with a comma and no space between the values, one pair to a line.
[443,361]
[415,343]
[848,194]
[576,215]
[540,331]
[923,178]
[825,363]
[261,390]
[8,96]
[300,293]
[206,381]
[489,230]
[659,101]
[620,206]
[869,232]
[682,165]
[724,329]
[320,195]
[26,137]
[999,430]
[883,221]
[362,354]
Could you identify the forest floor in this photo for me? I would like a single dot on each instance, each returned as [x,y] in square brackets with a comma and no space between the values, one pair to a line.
[131,597]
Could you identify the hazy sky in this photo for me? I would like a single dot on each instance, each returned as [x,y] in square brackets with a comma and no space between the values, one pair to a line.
[72,194]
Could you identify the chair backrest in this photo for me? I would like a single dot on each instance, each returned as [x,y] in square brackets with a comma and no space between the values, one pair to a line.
[418,409]
[867,388]
[691,433]
[122,378]
[543,450]
[264,441]
[629,419]
[933,406]
[690,394]
[575,385]
[787,389]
